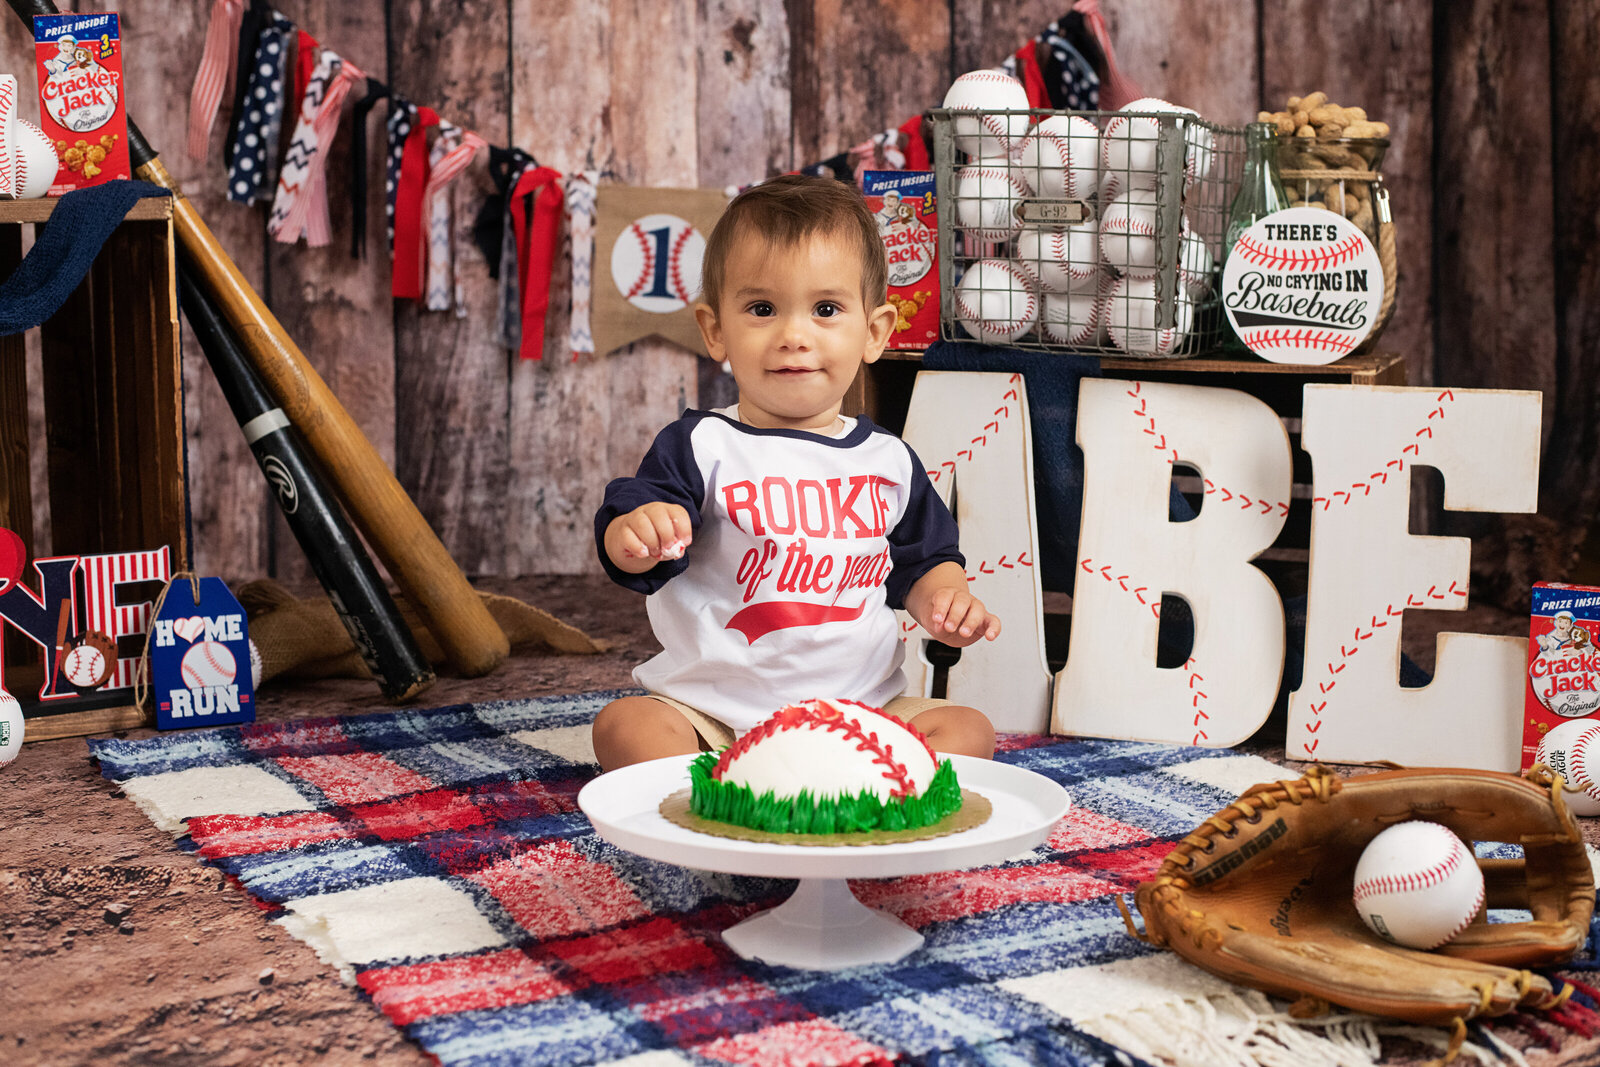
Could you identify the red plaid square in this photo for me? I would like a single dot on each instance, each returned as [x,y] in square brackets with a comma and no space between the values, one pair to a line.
[657,947]
[807,1041]
[552,890]
[418,814]
[355,778]
[319,736]
[1085,829]
[931,898]
[243,835]
[497,980]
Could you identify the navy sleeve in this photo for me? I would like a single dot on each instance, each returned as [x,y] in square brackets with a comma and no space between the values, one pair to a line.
[925,537]
[668,474]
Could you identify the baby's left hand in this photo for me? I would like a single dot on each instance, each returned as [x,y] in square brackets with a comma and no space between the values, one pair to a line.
[957,618]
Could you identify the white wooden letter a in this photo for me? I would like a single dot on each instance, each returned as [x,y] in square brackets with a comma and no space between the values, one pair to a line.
[1129,554]
[1366,571]
[970,430]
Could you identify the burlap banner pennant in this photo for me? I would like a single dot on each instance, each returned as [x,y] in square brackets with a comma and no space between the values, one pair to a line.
[647,252]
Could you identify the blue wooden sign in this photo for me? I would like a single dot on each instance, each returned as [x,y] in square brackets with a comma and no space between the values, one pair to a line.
[200,658]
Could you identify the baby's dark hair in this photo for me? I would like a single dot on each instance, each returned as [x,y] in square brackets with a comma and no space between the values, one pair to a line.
[787,210]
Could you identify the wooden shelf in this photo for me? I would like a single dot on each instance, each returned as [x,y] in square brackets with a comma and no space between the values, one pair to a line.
[150,209]
[1376,368]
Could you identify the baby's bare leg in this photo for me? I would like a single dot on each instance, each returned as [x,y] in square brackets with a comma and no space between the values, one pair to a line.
[635,729]
[957,729]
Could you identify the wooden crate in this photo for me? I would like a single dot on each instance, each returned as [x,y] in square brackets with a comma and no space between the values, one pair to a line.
[111,381]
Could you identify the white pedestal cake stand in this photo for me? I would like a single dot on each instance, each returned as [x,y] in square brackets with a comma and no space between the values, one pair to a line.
[823,926]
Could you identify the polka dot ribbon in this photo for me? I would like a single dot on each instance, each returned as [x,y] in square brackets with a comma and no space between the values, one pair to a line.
[300,208]
[216,67]
[408,232]
[260,115]
[402,117]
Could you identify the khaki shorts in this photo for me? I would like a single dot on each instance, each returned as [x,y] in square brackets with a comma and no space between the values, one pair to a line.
[715,734]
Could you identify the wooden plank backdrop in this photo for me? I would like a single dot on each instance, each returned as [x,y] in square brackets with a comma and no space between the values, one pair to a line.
[1494,171]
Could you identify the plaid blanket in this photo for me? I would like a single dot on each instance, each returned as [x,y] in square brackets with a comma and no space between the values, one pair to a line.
[439,860]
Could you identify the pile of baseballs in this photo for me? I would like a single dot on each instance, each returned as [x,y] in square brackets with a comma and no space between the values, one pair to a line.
[1085,285]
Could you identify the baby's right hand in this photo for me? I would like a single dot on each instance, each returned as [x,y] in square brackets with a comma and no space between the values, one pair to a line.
[647,535]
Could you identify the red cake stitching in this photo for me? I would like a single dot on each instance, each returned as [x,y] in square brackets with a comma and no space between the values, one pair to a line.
[815,713]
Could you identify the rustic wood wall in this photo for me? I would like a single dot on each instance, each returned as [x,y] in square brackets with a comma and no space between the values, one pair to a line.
[1494,171]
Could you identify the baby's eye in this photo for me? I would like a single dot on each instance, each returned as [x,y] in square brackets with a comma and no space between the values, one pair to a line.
[828,309]
[760,309]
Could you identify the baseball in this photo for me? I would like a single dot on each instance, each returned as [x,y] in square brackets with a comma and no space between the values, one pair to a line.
[36,161]
[1128,146]
[84,666]
[1074,319]
[1064,259]
[996,301]
[1060,158]
[208,663]
[1195,264]
[1418,885]
[982,136]
[1130,319]
[1128,233]
[255,666]
[988,194]
[1572,750]
[11,728]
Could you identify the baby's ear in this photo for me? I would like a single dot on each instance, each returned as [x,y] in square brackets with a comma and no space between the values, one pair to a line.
[880,327]
[710,331]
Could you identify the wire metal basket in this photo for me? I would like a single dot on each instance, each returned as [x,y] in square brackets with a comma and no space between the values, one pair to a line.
[1097,232]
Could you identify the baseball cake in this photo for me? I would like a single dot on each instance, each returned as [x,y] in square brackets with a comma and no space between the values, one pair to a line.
[826,772]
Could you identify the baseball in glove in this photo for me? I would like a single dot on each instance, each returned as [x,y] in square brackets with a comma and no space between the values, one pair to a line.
[88,660]
[1260,894]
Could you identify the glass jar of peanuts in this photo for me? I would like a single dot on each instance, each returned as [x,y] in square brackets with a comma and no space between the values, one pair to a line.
[1336,173]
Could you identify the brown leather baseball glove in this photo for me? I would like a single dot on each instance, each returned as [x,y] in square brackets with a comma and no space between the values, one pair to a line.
[1260,894]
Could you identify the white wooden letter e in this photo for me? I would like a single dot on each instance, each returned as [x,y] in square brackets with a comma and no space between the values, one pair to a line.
[1366,570]
[1129,554]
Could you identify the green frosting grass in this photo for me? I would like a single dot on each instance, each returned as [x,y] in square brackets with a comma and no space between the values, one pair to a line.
[807,814]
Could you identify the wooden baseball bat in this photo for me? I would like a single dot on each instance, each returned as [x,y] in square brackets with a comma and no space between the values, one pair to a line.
[341,564]
[418,561]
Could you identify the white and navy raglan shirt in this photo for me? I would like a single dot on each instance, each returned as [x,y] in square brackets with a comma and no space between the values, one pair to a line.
[803,545]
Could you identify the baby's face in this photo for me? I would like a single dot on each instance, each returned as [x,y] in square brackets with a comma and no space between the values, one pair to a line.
[794,329]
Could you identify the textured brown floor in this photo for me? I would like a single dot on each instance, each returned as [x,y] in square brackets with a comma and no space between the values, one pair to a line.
[191,972]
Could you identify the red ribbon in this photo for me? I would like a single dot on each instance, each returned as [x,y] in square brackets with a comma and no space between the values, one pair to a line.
[536,250]
[916,148]
[306,52]
[1116,89]
[410,228]
[1032,76]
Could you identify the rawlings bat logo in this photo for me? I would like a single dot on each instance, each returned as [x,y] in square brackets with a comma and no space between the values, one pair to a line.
[282,483]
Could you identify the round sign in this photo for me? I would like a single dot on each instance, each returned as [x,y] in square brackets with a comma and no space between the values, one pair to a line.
[655,263]
[1302,285]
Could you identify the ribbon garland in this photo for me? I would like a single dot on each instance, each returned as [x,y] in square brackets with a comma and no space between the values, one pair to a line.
[215,73]
[417,204]
[259,115]
[301,206]
[537,240]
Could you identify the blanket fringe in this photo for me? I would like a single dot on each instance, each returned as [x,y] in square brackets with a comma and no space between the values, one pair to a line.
[1246,1029]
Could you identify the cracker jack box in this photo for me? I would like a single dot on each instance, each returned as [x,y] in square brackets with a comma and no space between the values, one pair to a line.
[200,658]
[903,203]
[1563,661]
[82,107]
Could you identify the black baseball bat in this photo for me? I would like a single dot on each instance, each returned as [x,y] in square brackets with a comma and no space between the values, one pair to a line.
[325,535]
